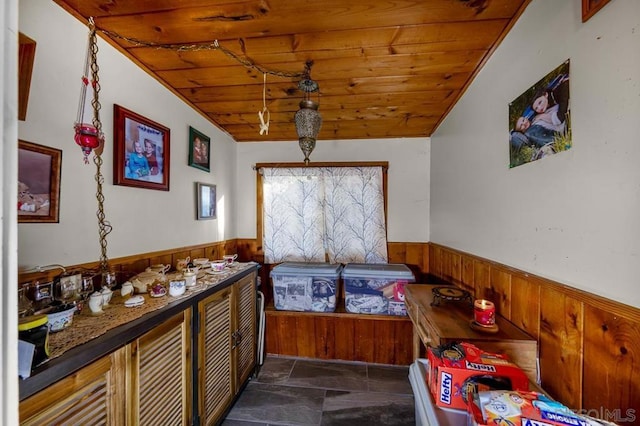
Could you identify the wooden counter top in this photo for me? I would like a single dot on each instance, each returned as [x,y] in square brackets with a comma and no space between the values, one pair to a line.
[449,321]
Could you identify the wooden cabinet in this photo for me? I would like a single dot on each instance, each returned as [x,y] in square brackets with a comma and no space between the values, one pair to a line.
[159,373]
[180,365]
[226,346]
[93,395]
[449,322]
[246,329]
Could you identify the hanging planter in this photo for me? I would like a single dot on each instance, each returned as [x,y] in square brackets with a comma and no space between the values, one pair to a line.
[88,135]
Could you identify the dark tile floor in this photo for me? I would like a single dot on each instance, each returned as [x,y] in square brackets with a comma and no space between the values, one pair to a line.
[290,391]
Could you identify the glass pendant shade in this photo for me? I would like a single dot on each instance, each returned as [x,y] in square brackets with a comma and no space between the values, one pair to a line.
[308,122]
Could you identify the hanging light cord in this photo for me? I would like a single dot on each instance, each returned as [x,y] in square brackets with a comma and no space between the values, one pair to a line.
[215,45]
[104,227]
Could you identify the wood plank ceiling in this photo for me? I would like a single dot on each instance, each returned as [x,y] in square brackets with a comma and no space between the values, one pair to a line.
[385,68]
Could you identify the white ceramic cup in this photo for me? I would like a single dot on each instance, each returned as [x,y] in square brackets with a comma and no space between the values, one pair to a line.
[230,258]
[159,268]
[200,261]
[177,287]
[106,296]
[95,302]
[189,277]
[218,265]
[127,289]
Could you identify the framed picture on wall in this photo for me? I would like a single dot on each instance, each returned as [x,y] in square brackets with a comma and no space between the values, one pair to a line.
[199,150]
[591,7]
[140,150]
[540,119]
[39,169]
[205,201]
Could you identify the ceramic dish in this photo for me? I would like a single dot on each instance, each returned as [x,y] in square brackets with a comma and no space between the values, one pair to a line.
[158,293]
[61,319]
[212,272]
[200,261]
[134,301]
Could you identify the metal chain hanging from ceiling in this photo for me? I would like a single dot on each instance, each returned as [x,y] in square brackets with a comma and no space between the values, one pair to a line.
[104,227]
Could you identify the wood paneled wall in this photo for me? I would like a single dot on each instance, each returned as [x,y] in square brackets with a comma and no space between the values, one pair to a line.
[131,265]
[589,346]
[340,336]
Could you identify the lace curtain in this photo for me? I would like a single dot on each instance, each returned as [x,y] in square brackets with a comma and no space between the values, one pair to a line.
[315,213]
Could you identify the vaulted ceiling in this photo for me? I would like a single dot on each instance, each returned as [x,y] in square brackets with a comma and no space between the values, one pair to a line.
[385,68]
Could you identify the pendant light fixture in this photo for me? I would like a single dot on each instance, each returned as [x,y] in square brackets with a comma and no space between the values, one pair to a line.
[307,118]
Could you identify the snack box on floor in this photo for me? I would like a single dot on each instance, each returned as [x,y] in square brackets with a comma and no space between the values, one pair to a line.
[301,286]
[376,288]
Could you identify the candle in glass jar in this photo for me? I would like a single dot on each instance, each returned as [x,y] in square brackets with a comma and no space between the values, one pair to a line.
[484,312]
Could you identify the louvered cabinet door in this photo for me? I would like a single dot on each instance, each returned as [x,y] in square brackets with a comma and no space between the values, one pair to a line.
[161,374]
[215,374]
[94,395]
[246,327]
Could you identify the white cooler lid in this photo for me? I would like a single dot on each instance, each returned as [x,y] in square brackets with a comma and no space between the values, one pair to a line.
[378,270]
[307,268]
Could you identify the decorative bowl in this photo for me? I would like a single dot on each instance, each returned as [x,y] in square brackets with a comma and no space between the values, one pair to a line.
[61,317]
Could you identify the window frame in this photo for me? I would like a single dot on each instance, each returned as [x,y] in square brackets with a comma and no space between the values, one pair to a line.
[259,201]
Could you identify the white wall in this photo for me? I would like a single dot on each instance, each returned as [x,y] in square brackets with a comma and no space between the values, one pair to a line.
[143,220]
[573,217]
[408,178]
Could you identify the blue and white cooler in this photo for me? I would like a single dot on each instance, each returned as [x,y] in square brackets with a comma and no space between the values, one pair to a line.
[376,288]
[300,286]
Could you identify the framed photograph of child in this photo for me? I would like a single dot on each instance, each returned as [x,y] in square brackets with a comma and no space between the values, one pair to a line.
[39,169]
[206,201]
[199,150]
[140,151]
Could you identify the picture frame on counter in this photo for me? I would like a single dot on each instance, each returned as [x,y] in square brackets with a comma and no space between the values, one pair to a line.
[39,170]
[199,150]
[206,207]
[141,151]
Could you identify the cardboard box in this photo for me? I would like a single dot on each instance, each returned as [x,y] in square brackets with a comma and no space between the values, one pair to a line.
[521,408]
[460,368]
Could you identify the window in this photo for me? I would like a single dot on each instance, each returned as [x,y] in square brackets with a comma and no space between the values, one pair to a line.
[325,212]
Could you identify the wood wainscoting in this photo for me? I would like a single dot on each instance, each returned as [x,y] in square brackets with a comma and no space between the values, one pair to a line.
[130,265]
[589,346]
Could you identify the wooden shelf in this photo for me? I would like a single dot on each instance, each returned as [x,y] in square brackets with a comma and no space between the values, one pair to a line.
[450,321]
